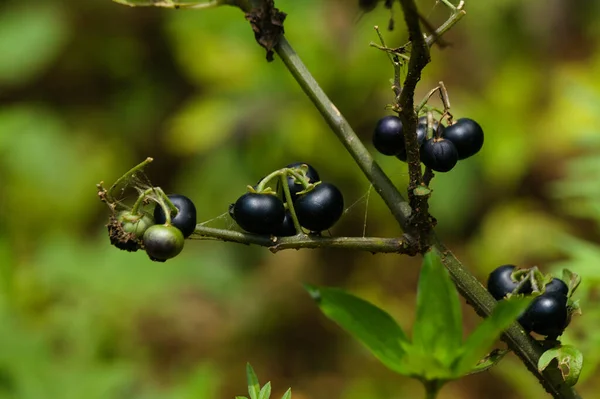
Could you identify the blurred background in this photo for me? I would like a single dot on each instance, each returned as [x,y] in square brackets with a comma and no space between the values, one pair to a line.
[90,88]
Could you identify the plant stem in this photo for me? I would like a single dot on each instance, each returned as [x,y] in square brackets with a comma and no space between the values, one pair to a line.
[290,203]
[129,174]
[276,244]
[521,343]
[340,126]
[457,14]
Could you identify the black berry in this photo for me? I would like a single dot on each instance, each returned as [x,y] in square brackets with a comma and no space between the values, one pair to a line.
[439,154]
[185,220]
[500,282]
[286,229]
[163,242]
[320,208]
[558,287]
[387,136]
[466,135]
[547,315]
[259,213]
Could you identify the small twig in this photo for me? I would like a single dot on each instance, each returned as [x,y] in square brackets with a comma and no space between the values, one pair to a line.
[276,244]
[457,14]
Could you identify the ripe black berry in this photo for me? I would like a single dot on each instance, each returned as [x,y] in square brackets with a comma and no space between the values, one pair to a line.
[286,229]
[320,208]
[546,315]
[259,213]
[466,135]
[439,154]
[185,220]
[500,282]
[558,287]
[163,242]
[387,136]
[296,187]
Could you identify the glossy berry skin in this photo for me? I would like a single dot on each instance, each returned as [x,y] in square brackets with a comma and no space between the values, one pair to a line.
[439,155]
[286,229]
[500,282]
[259,213]
[546,315]
[466,135]
[185,220]
[421,136]
[163,242]
[558,287]
[320,208]
[388,138]
[311,173]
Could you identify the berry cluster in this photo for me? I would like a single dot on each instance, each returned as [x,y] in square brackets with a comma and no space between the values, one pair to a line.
[549,313]
[441,151]
[161,237]
[317,205]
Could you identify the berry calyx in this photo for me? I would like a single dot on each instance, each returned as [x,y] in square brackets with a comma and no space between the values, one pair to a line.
[501,282]
[163,242]
[388,138]
[546,315]
[295,186]
[184,220]
[320,208]
[466,135]
[259,213]
[439,154]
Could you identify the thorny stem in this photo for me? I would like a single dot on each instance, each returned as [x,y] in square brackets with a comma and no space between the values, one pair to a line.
[276,244]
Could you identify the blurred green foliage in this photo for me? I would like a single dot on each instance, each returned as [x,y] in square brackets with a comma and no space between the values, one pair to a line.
[90,88]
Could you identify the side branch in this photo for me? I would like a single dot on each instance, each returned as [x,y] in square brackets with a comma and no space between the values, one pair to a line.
[340,126]
[276,244]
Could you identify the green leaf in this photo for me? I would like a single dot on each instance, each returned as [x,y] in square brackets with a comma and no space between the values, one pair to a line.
[477,344]
[253,385]
[241,397]
[287,394]
[265,392]
[370,325]
[570,362]
[489,361]
[438,326]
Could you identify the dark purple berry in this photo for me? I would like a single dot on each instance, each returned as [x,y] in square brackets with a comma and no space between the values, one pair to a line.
[387,136]
[466,135]
[547,315]
[439,155]
[500,282]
